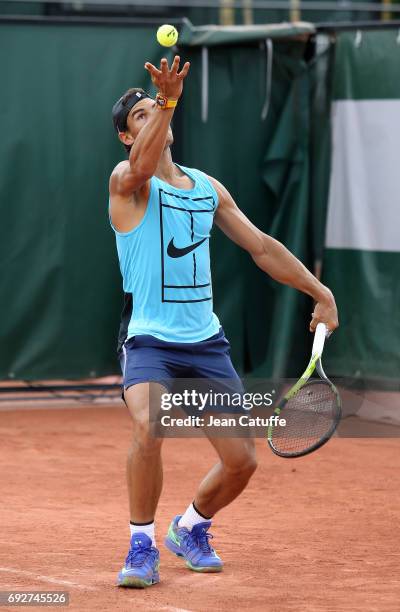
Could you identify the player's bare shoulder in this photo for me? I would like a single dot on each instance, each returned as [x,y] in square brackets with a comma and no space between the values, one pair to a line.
[118,179]
[128,201]
[224,197]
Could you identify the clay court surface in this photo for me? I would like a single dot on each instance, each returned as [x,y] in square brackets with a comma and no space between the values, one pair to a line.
[318,534]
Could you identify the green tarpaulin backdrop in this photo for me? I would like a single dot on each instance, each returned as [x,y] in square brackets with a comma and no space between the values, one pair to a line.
[255,114]
[60,292]
[268,161]
[362,258]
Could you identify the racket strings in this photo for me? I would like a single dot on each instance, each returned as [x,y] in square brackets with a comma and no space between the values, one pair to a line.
[310,416]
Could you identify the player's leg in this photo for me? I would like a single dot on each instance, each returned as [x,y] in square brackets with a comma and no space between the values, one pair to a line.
[144,465]
[144,479]
[227,479]
[187,535]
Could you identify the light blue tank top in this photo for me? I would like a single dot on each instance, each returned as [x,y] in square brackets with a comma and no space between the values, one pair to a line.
[165,263]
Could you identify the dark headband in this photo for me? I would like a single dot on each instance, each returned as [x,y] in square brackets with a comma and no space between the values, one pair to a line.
[123,106]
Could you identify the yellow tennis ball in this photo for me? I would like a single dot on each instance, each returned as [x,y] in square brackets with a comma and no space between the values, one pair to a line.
[167,35]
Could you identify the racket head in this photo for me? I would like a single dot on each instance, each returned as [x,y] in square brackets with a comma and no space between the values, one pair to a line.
[312,415]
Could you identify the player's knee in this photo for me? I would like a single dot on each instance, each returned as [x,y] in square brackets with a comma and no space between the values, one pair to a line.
[146,445]
[249,467]
[244,467]
[145,439]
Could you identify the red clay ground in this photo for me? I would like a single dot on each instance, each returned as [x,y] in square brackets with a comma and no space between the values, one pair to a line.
[318,534]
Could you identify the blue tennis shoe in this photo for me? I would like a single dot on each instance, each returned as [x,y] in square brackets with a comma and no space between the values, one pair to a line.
[141,565]
[194,546]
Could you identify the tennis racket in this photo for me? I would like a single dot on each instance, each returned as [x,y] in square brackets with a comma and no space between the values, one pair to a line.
[311,408]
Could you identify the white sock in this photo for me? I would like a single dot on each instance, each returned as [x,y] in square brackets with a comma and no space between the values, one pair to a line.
[148,529]
[191,518]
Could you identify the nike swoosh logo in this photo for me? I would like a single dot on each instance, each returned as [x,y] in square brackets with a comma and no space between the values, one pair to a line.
[174,251]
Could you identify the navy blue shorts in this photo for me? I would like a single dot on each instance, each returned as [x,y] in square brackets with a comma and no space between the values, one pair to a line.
[145,358]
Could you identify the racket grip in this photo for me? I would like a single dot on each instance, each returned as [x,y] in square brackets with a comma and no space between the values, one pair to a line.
[319,339]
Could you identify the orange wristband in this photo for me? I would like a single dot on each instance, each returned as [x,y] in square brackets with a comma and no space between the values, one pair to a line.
[164,102]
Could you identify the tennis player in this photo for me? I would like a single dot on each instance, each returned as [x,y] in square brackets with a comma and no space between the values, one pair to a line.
[162,214]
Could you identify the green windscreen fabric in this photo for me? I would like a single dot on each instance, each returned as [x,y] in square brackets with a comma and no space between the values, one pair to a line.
[60,287]
[214,35]
[257,140]
[362,258]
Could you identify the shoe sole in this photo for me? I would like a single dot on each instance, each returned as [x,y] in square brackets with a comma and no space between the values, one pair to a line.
[211,569]
[136,583]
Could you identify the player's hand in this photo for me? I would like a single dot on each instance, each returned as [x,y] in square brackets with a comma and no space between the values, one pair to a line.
[325,311]
[169,81]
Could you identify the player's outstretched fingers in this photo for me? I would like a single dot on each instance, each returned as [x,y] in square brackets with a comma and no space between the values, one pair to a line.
[164,66]
[184,70]
[152,69]
[175,64]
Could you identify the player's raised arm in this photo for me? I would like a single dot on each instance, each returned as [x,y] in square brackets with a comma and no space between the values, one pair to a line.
[274,258]
[146,127]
